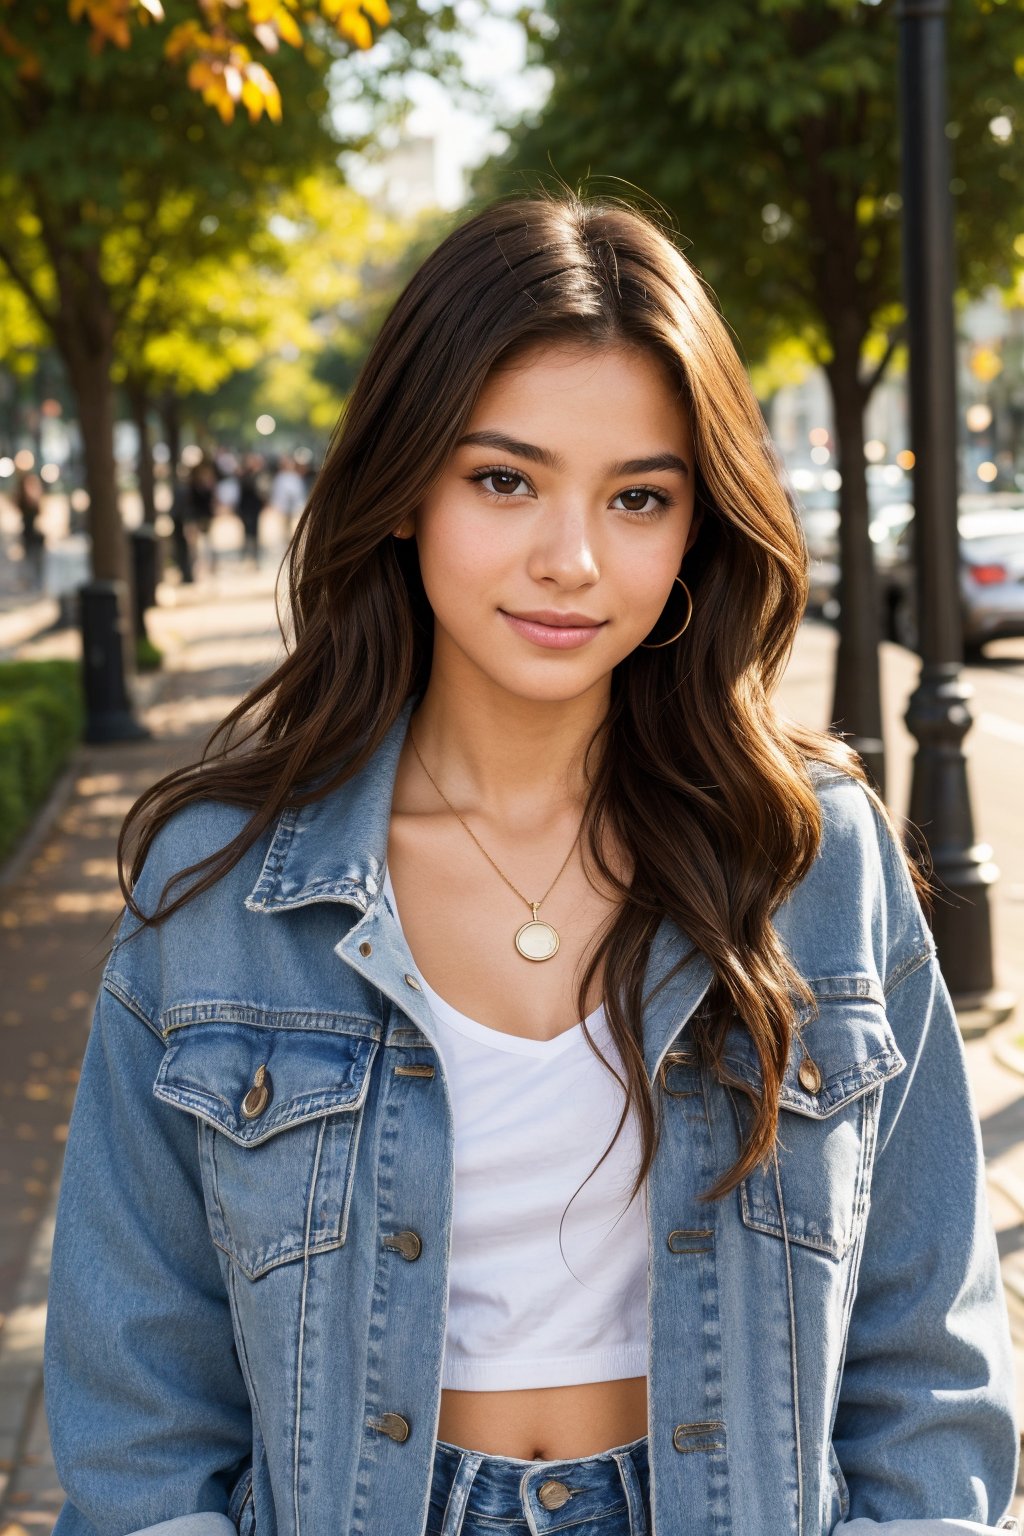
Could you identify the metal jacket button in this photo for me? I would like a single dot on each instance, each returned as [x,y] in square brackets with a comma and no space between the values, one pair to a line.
[406,1243]
[553,1494]
[810,1077]
[394,1425]
[411,981]
[258,1097]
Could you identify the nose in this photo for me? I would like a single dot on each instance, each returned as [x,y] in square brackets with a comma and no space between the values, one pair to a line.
[564,553]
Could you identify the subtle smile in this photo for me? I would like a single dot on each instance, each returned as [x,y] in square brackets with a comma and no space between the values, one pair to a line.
[557,631]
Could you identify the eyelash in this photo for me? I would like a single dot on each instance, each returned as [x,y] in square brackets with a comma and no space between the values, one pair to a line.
[661,497]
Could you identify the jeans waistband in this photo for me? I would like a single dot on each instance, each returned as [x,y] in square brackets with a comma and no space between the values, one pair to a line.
[607,1494]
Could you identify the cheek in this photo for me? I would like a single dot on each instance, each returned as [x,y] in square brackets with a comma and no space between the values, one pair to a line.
[644,580]
[460,561]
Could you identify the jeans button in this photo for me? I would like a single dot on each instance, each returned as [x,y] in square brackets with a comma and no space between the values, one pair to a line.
[553,1494]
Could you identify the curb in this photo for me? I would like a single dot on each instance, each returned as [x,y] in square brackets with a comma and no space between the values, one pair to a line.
[41,824]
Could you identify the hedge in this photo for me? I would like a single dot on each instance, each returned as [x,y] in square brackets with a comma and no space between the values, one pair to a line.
[41,718]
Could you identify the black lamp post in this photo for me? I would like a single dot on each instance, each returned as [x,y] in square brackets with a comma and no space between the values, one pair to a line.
[938,714]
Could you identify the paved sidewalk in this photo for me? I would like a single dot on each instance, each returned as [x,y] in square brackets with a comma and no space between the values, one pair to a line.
[54,912]
[55,909]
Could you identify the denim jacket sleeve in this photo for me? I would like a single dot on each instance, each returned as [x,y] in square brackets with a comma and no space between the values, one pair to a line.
[149,1417]
[925,1430]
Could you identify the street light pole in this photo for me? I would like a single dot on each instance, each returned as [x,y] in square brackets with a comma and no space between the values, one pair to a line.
[938,714]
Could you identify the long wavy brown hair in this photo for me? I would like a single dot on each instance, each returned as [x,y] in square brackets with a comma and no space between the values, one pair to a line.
[692,770]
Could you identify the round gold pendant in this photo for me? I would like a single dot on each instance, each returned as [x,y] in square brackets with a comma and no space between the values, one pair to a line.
[536,940]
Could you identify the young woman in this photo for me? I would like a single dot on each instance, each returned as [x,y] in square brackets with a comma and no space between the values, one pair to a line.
[522,1096]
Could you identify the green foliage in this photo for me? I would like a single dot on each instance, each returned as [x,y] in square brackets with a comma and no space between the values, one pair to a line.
[313,307]
[768,131]
[41,715]
[148,657]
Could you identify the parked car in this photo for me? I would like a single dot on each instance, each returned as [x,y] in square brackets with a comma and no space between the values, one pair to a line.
[991,528]
[821,530]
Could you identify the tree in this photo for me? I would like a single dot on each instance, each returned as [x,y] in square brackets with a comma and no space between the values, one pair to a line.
[216,38]
[96,150]
[240,330]
[769,131]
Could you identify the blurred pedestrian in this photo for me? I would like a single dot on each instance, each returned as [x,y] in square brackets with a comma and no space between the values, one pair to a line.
[181,548]
[28,498]
[199,506]
[288,491]
[250,504]
[226,469]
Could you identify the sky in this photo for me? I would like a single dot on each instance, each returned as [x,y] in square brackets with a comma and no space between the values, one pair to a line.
[492,45]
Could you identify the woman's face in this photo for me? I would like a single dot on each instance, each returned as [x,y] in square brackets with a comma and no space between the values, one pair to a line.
[550,543]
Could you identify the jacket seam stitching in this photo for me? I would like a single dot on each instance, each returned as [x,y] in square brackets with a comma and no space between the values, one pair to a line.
[906,968]
[132,1004]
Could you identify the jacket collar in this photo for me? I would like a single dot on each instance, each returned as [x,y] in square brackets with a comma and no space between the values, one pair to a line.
[335,848]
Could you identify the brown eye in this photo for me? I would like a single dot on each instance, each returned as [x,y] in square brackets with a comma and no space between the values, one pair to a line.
[644,500]
[504,482]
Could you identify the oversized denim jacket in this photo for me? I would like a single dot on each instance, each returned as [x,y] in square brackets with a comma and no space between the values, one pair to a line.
[247,1313]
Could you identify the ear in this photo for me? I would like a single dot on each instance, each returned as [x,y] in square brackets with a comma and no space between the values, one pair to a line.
[406,528]
[695,527]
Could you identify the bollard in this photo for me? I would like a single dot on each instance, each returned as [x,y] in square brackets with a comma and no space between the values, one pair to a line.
[145,548]
[108,710]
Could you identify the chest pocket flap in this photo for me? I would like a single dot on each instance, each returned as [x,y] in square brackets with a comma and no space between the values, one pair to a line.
[829,1102]
[278,1179]
[209,1068]
[844,1050]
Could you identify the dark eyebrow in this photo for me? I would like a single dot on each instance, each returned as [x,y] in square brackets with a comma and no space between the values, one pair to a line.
[554,461]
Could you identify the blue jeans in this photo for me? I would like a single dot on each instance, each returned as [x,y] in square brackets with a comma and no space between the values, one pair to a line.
[473,1494]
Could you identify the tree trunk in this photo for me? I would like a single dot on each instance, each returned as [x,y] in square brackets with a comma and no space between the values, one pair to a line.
[171,412]
[139,398]
[857,702]
[89,373]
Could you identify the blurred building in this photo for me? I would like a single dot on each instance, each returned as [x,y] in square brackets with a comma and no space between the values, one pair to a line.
[408,179]
[990,402]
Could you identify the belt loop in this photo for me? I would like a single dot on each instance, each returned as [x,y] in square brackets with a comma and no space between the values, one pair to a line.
[458,1493]
[634,1493]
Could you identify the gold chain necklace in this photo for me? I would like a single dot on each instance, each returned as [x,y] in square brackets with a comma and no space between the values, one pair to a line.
[536,939]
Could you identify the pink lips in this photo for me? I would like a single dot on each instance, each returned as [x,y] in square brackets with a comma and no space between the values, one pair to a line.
[558,631]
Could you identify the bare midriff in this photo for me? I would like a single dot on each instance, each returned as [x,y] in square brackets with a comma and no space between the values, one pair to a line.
[546,1423]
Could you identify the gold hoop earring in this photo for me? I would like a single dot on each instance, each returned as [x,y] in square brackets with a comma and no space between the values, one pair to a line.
[644,646]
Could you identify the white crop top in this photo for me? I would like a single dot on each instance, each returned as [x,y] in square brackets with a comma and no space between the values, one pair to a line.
[532,1118]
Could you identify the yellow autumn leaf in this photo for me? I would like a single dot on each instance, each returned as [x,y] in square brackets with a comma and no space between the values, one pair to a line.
[252,100]
[267,88]
[217,95]
[200,75]
[182,40]
[379,10]
[354,25]
[287,27]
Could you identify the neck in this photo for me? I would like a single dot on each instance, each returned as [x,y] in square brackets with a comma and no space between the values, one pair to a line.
[511,759]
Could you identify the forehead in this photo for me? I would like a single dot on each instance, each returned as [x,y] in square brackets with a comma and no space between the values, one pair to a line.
[577,385]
